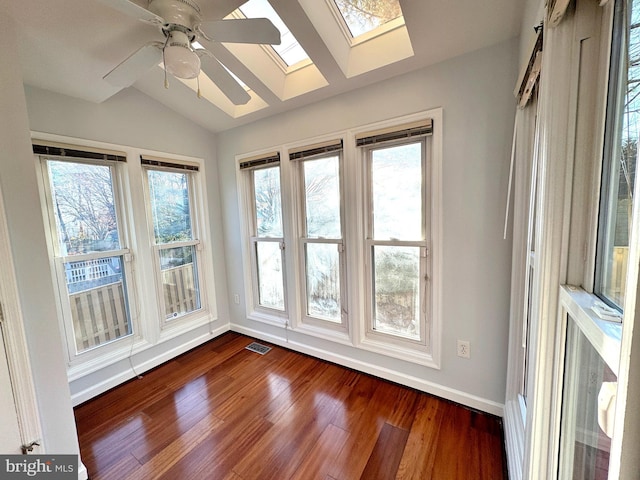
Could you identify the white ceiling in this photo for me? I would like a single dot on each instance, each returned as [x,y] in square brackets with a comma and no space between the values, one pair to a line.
[67,46]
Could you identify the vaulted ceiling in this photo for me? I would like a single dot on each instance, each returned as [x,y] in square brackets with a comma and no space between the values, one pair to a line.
[67,46]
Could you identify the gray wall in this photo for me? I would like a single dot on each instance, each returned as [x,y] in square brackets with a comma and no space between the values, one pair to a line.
[28,247]
[475,92]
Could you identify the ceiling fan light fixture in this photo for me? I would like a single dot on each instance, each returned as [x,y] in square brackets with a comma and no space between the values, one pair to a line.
[179,59]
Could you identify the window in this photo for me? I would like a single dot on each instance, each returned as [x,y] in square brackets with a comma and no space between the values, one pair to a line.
[90,256]
[321,242]
[619,165]
[267,237]
[289,50]
[359,216]
[396,243]
[176,243]
[362,16]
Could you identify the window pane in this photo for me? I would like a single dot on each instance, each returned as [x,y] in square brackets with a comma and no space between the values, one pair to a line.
[397,192]
[170,209]
[179,280]
[97,297]
[83,207]
[585,447]
[362,16]
[270,275]
[266,183]
[289,49]
[397,290]
[323,281]
[620,166]
[322,196]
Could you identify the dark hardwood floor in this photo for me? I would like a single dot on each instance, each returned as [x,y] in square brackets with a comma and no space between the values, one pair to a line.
[223,412]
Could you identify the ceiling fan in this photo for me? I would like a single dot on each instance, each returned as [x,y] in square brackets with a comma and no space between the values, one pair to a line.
[182,25]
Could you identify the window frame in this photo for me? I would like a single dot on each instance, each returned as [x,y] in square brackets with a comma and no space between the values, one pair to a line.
[148,336]
[246,193]
[370,243]
[354,221]
[617,84]
[195,242]
[93,355]
[304,239]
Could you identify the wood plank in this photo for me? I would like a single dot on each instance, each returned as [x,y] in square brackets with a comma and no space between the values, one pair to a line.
[176,450]
[387,453]
[217,455]
[282,448]
[319,461]
[418,457]
[220,411]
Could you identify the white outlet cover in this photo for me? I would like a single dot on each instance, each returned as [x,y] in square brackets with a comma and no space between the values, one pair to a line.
[464,349]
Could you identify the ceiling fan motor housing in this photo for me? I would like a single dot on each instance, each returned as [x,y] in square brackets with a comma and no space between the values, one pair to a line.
[178,12]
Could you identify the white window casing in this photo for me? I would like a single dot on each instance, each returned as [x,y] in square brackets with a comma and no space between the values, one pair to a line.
[130,196]
[352,246]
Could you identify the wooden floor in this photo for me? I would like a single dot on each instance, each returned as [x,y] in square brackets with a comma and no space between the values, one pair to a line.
[221,411]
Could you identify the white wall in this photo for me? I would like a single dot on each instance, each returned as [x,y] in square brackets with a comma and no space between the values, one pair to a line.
[475,92]
[131,118]
[20,191]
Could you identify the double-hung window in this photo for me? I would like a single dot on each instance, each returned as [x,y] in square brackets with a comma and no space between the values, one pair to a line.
[83,201]
[397,234]
[176,244]
[321,239]
[361,212]
[266,232]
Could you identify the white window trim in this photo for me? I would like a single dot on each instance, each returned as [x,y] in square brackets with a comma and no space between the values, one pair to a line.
[192,318]
[427,354]
[116,347]
[304,322]
[145,316]
[254,310]
[207,313]
[354,221]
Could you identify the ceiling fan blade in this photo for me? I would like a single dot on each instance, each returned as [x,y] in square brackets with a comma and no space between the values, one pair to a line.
[224,81]
[129,70]
[215,10]
[242,30]
[133,10]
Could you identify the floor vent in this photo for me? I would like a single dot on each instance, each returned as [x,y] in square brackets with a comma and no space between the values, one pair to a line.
[258,348]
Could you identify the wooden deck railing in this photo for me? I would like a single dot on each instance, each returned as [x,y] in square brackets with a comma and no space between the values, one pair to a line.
[180,294]
[100,316]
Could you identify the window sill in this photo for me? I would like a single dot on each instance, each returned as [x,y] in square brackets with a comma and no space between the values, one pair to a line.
[605,336]
[338,334]
[419,355]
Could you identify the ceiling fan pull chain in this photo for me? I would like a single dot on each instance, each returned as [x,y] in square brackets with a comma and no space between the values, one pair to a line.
[164,65]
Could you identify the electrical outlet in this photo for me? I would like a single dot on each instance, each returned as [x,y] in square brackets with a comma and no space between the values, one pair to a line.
[464,349]
[236,299]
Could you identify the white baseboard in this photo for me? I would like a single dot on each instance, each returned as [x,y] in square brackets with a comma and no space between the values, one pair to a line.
[457,396]
[82,472]
[127,372]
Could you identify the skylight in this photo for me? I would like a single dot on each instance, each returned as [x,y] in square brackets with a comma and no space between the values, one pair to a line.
[289,50]
[363,16]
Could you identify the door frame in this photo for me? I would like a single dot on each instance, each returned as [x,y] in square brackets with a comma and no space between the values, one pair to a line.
[12,324]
